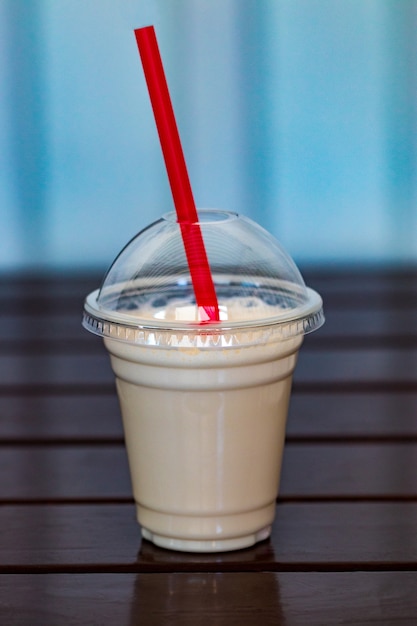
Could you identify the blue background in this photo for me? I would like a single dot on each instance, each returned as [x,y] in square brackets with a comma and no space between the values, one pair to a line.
[301,114]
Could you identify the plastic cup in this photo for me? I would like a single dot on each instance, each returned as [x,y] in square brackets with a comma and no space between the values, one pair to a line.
[204,405]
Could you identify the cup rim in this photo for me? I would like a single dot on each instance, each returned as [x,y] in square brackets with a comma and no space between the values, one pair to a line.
[306,318]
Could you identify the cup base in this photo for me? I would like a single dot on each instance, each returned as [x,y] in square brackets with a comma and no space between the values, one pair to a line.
[217,545]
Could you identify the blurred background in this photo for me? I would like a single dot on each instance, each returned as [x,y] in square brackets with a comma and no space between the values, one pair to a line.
[301,114]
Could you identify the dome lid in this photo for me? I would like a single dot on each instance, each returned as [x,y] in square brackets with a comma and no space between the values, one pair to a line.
[149,286]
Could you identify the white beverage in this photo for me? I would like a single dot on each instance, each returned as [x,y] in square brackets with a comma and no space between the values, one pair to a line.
[204,403]
[205,429]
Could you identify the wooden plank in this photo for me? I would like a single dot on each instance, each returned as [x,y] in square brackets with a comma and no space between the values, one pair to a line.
[52,369]
[47,303]
[340,470]
[364,288]
[350,416]
[305,537]
[389,322]
[46,328]
[86,473]
[378,366]
[96,418]
[14,286]
[351,291]
[23,330]
[66,473]
[368,299]
[207,598]
[62,418]
[337,299]
[322,278]
[326,368]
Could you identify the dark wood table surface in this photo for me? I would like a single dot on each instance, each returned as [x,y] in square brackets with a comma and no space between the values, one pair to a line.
[344,543]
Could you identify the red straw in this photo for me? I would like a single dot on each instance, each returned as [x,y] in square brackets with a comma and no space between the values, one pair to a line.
[202,280]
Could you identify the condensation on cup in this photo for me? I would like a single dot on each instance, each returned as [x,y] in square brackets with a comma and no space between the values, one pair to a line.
[204,405]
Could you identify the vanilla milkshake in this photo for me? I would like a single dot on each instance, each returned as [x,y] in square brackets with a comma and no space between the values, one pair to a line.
[204,405]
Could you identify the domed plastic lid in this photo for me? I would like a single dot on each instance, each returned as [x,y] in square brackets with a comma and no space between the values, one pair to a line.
[149,285]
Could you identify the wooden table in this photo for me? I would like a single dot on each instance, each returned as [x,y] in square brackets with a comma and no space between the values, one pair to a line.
[344,543]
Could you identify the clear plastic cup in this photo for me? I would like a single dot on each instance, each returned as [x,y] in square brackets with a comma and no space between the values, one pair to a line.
[204,405]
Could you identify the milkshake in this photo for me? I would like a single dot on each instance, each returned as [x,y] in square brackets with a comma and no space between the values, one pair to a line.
[204,405]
